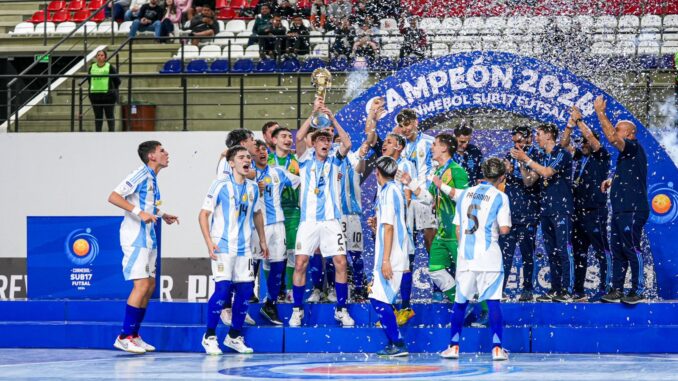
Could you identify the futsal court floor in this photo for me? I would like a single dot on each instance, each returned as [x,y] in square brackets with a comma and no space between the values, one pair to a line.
[83,364]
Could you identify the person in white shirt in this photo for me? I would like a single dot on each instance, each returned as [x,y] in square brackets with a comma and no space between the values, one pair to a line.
[230,214]
[139,196]
[483,213]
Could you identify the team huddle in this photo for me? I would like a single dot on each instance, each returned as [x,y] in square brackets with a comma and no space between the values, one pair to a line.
[287,210]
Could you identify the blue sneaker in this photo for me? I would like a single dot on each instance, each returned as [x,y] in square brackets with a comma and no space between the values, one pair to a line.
[393,350]
[437,297]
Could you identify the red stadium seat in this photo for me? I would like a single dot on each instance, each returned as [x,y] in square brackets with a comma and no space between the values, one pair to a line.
[76,5]
[95,4]
[221,4]
[99,17]
[38,17]
[304,4]
[226,14]
[254,3]
[80,16]
[237,4]
[56,5]
[61,16]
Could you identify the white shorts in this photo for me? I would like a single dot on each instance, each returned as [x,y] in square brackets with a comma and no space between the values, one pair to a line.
[326,235]
[424,216]
[353,231]
[385,290]
[237,269]
[138,262]
[488,285]
[275,239]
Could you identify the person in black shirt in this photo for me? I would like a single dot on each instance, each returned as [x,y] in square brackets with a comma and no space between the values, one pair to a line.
[524,203]
[630,208]
[344,38]
[150,18]
[204,24]
[270,46]
[286,10]
[468,155]
[589,223]
[298,41]
[103,91]
[554,172]
[414,39]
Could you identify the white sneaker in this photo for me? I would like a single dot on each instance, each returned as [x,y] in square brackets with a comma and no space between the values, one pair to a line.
[127,344]
[452,352]
[226,316]
[341,315]
[289,296]
[499,354]
[315,296]
[297,316]
[237,344]
[332,296]
[140,342]
[211,345]
[249,320]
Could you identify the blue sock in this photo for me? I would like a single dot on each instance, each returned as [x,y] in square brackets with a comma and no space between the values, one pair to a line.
[388,321]
[298,294]
[496,326]
[406,290]
[329,273]
[131,322]
[228,303]
[358,270]
[243,293]
[140,318]
[342,294]
[216,304]
[317,270]
[458,311]
[274,280]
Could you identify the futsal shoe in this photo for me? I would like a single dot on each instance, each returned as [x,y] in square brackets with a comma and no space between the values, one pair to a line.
[331,296]
[404,315]
[452,352]
[499,354]
[632,298]
[254,299]
[211,345]
[394,350]
[341,315]
[548,297]
[314,297]
[579,297]
[226,316]
[140,342]
[613,296]
[562,297]
[297,316]
[237,344]
[249,320]
[270,312]
[526,296]
[127,344]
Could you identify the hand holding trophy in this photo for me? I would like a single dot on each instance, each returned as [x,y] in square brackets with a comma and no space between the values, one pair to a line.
[321,78]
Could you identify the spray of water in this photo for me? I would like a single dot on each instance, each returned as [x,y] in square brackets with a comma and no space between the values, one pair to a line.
[664,128]
[355,83]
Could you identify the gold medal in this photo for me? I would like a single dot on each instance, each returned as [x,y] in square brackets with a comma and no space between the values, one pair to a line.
[546,183]
[317,190]
[237,213]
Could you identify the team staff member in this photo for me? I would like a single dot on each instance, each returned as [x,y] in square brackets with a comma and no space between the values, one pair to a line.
[103,91]
[524,200]
[468,155]
[589,223]
[554,172]
[630,209]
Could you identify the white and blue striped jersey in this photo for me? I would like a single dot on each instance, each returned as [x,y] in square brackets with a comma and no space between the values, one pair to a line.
[390,210]
[276,179]
[320,196]
[481,210]
[406,166]
[232,206]
[419,153]
[140,189]
[350,185]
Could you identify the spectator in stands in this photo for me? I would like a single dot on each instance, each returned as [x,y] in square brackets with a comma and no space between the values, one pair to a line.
[318,15]
[337,11]
[387,8]
[149,18]
[414,39]
[204,24]
[272,46]
[344,38]
[184,7]
[171,21]
[286,10]
[366,45]
[197,5]
[360,13]
[117,9]
[103,91]
[272,6]
[134,8]
[298,37]
[262,20]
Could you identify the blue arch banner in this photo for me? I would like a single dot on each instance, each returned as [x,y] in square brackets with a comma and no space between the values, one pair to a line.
[533,89]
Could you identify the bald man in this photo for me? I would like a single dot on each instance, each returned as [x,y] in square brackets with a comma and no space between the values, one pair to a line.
[630,209]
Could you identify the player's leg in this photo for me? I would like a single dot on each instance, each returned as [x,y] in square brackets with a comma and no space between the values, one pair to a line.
[465,289]
[330,276]
[316,263]
[618,260]
[440,265]
[276,267]
[243,284]
[333,245]
[308,240]
[291,228]
[488,285]
[405,313]
[548,234]
[563,234]
[527,243]
[354,236]
[580,247]
[508,243]
[596,229]
[634,254]
[382,295]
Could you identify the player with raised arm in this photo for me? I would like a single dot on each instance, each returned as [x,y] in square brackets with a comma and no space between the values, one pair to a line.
[139,196]
[483,213]
[235,210]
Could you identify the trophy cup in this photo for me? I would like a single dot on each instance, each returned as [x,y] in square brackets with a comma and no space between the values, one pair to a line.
[321,78]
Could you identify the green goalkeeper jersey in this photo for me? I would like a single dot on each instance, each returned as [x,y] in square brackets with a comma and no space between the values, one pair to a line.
[290,196]
[455,176]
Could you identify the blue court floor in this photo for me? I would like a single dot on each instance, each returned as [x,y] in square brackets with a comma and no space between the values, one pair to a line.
[74,364]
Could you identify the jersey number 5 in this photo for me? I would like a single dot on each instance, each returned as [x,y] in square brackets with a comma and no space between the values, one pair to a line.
[472,214]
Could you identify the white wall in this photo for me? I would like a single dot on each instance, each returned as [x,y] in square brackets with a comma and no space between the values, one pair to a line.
[72,174]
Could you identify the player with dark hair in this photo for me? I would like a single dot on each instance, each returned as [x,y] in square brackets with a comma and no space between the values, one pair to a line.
[267,130]
[467,155]
[139,196]
[239,137]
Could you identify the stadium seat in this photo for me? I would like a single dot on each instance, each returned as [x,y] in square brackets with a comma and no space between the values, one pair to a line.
[95,4]
[171,67]
[316,37]
[64,28]
[23,29]
[226,14]
[671,24]
[190,52]
[452,23]
[76,5]
[628,24]
[243,65]
[210,52]
[602,48]
[38,17]
[472,25]
[124,28]
[56,5]
[267,65]
[41,28]
[237,51]
[339,64]
[429,23]
[648,47]
[219,4]
[219,66]
[439,50]
[61,16]
[650,23]
[311,64]
[320,50]
[105,28]
[235,26]
[242,38]
[237,4]
[99,17]
[223,38]
[669,47]
[289,65]
[80,16]
[252,51]
[605,24]
[197,66]
[90,26]
[625,47]
[564,23]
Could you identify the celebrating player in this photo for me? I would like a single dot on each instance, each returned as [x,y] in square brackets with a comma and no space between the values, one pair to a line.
[139,196]
[235,207]
[467,155]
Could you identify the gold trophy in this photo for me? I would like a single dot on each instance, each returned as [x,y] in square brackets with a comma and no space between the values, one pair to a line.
[321,78]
